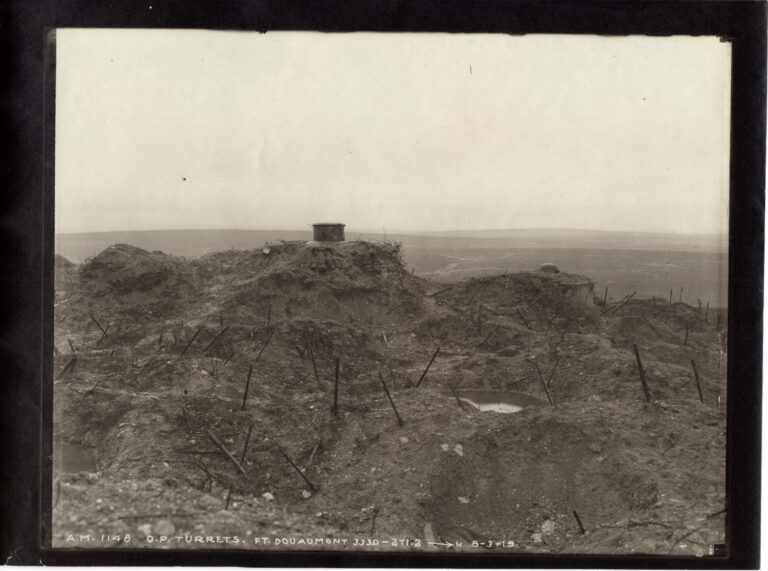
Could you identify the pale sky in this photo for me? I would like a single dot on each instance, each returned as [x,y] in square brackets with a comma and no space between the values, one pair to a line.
[175,129]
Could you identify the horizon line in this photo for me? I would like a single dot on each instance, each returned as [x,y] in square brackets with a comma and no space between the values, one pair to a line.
[383,231]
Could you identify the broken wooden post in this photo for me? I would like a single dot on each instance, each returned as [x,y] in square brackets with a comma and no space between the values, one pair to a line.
[104,334]
[654,302]
[386,390]
[646,392]
[424,374]
[331,345]
[242,460]
[578,520]
[656,331]
[269,314]
[552,373]
[605,296]
[269,338]
[706,314]
[69,367]
[184,410]
[699,302]
[71,345]
[482,285]
[298,471]
[442,291]
[698,381]
[680,299]
[223,448]
[104,331]
[314,365]
[247,386]
[607,310]
[153,291]
[717,513]
[293,384]
[392,376]
[625,300]
[222,332]
[489,335]
[479,319]
[208,483]
[685,342]
[191,340]
[335,407]
[525,321]
[373,520]
[543,383]
[247,440]
[456,396]
[670,297]
[312,457]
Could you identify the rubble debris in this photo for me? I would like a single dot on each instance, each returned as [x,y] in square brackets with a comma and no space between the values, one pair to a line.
[142,396]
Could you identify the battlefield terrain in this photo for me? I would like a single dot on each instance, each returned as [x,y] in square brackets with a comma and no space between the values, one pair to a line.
[334,396]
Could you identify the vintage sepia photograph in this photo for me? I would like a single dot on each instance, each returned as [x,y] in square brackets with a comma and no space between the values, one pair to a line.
[390,292]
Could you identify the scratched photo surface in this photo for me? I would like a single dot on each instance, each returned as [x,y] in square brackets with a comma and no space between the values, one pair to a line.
[390,292]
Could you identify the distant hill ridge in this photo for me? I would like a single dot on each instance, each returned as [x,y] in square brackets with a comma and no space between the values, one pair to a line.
[80,246]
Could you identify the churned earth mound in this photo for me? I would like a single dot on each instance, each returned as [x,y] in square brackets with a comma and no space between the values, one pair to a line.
[320,396]
[636,476]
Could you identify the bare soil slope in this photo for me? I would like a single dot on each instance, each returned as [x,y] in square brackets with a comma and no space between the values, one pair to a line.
[154,354]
